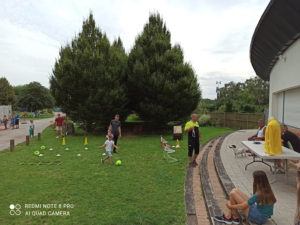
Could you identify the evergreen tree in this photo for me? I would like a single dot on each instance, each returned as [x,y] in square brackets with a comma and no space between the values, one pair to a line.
[7,94]
[88,79]
[161,86]
[35,97]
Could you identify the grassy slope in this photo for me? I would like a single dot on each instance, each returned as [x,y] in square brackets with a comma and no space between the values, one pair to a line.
[144,190]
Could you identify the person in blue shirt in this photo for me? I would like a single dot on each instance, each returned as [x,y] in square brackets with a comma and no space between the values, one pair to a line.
[258,208]
[17,121]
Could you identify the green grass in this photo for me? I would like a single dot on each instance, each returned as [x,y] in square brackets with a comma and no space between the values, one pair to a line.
[144,190]
[42,116]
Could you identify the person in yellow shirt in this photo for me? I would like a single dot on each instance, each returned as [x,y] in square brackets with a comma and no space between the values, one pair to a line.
[194,139]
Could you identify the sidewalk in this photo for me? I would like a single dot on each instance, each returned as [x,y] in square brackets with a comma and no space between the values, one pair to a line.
[19,135]
[284,191]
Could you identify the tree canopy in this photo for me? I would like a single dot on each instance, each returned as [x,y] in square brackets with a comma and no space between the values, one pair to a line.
[161,86]
[35,97]
[7,94]
[250,96]
[89,80]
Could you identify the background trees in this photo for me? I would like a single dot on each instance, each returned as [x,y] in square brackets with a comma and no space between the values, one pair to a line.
[161,86]
[250,96]
[35,97]
[7,94]
[89,80]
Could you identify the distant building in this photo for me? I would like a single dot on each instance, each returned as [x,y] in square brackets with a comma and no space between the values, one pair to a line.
[275,56]
[5,110]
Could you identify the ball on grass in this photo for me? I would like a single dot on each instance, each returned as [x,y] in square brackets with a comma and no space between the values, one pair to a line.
[43,147]
[119,163]
[36,153]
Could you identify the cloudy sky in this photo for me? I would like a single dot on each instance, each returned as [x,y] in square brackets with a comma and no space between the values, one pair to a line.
[214,34]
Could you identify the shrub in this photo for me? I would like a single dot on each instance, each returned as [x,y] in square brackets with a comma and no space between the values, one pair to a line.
[204,120]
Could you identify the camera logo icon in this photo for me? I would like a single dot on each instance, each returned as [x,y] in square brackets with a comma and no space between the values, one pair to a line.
[15,210]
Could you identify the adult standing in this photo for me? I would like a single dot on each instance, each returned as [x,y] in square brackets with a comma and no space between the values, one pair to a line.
[115,129]
[59,120]
[194,139]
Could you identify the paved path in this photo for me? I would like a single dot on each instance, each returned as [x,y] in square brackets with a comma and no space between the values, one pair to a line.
[19,135]
[285,192]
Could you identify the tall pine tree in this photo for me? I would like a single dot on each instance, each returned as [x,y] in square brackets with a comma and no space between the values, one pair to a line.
[7,94]
[161,86]
[88,79]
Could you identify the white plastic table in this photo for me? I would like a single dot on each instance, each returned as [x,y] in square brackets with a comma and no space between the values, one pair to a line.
[257,148]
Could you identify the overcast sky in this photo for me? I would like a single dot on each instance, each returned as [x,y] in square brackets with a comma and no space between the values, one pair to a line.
[214,34]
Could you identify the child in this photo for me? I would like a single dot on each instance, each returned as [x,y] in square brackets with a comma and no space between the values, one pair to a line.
[31,129]
[5,121]
[258,208]
[12,123]
[108,145]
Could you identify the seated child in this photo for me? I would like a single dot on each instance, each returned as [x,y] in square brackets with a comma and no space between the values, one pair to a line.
[258,208]
[109,144]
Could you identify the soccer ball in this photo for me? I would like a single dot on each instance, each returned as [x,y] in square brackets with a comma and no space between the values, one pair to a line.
[43,147]
[119,163]
[36,153]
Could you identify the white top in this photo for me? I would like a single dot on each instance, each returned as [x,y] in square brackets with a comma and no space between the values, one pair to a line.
[260,132]
[108,145]
[258,149]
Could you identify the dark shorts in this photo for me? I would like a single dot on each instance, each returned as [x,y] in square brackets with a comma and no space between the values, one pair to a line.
[255,216]
[193,146]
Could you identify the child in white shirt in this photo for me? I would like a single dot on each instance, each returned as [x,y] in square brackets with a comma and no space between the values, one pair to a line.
[109,144]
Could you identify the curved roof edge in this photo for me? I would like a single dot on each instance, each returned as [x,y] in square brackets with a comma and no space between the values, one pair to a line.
[277,29]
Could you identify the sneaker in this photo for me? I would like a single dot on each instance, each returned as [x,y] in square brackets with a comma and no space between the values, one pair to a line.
[223,219]
[236,221]
[102,160]
[114,151]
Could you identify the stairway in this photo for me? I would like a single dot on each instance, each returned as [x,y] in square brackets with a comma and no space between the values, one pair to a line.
[207,187]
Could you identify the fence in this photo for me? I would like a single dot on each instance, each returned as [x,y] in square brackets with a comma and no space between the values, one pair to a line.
[236,120]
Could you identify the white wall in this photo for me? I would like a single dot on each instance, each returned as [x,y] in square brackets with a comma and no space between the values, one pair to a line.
[5,110]
[285,87]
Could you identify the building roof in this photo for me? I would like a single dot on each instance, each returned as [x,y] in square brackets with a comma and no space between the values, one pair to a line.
[277,29]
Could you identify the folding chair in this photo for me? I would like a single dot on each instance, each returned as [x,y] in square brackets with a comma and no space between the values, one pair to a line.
[166,151]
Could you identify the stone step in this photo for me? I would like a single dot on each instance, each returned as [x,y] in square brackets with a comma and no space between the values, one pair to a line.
[194,202]
[226,182]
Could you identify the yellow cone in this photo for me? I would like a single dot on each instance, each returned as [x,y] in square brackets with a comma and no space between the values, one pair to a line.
[64,141]
[177,144]
[85,141]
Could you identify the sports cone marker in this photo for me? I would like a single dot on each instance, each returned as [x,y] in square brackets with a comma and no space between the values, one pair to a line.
[177,144]
[64,141]
[85,141]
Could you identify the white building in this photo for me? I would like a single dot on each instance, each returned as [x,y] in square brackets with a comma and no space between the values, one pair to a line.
[5,110]
[275,56]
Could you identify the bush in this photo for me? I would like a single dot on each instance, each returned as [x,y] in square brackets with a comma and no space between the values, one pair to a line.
[204,120]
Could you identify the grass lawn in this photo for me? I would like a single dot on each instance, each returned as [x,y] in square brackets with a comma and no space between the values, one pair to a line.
[42,116]
[144,190]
